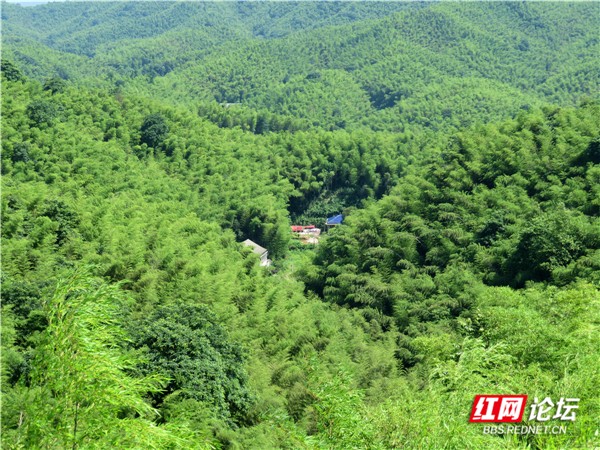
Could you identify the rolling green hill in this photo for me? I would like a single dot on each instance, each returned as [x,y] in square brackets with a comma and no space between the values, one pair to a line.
[433,65]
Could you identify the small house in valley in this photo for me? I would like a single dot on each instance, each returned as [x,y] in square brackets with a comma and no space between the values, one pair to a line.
[262,252]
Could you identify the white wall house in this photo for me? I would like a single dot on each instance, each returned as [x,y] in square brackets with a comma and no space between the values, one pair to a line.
[262,252]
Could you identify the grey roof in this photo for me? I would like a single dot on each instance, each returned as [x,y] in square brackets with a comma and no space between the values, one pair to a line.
[255,247]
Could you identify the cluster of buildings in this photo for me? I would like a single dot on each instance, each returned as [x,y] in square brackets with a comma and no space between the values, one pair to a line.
[308,234]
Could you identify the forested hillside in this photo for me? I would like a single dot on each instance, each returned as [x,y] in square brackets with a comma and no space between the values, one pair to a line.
[142,143]
[402,65]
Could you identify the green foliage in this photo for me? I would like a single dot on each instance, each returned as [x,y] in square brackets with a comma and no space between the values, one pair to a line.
[552,240]
[21,152]
[185,343]
[460,141]
[54,85]
[154,130]
[11,72]
[42,112]
[323,65]
[340,416]
[482,215]
[79,392]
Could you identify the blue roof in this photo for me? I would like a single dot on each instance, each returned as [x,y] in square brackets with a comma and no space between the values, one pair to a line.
[335,220]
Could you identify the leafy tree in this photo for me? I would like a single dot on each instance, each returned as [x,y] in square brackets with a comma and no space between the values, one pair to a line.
[154,130]
[185,343]
[10,71]
[54,85]
[551,241]
[64,216]
[42,112]
[262,124]
[21,152]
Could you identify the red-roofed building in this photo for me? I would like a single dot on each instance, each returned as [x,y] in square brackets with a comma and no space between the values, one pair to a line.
[301,228]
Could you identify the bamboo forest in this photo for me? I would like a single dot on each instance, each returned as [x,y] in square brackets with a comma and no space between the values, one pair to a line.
[300,225]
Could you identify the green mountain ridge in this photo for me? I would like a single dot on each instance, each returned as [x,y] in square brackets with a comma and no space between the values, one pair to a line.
[399,56]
